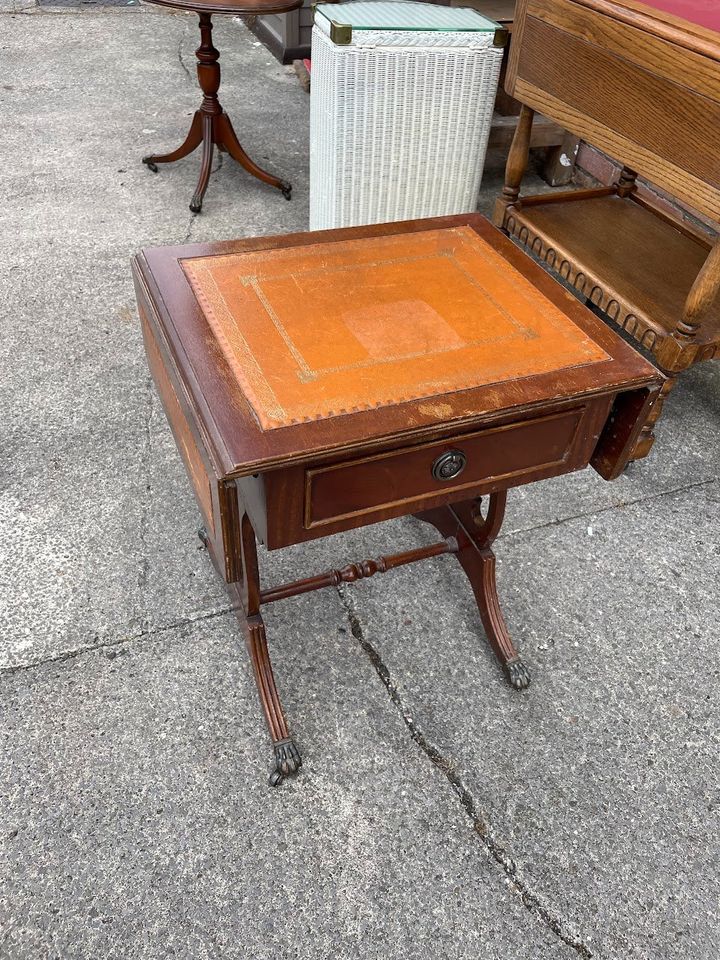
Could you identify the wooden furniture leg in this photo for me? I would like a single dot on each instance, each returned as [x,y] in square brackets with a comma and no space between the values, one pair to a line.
[211,126]
[646,439]
[192,142]
[516,166]
[475,534]
[249,597]
[287,757]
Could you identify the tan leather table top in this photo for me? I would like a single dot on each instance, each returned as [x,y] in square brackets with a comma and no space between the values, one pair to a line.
[334,328]
[285,349]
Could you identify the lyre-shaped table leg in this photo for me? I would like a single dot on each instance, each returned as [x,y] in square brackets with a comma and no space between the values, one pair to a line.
[475,534]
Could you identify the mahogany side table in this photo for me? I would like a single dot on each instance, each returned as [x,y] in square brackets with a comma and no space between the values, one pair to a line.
[210,125]
[318,382]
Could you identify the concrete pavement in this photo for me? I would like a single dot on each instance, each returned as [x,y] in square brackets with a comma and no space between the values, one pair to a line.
[438,813]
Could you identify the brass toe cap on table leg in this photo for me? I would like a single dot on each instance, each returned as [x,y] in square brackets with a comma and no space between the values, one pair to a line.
[517,673]
[287,761]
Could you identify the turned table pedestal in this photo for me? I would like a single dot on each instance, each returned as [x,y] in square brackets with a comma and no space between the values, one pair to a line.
[211,126]
[321,382]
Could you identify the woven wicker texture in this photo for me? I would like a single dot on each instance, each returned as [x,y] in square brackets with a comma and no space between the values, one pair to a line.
[316,331]
[399,123]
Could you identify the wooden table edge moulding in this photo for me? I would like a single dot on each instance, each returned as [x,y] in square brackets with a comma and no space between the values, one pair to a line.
[320,382]
[210,126]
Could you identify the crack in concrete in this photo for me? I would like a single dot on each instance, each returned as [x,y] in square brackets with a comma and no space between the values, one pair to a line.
[116,642]
[186,238]
[613,506]
[144,572]
[531,901]
[182,40]
[345,598]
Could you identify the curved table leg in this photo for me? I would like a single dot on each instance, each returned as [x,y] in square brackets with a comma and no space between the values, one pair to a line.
[227,140]
[191,142]
[205,165]
[475,534]
[211,125]
[287,756]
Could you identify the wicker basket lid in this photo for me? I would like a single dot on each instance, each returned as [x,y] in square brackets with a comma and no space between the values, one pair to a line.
[403,15]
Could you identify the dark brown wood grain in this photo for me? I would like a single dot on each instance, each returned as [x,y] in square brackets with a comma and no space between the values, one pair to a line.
[187,444]
[515,453]
[288,491]
[474,534]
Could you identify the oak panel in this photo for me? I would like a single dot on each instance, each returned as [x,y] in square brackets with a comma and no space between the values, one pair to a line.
[677,181]
[697,73]
[609,90]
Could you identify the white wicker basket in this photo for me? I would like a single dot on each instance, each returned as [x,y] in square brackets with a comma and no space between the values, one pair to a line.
[401,97]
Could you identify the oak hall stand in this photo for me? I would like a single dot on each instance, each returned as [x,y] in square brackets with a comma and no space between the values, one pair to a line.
[643,86]
[211,126]
[319,382]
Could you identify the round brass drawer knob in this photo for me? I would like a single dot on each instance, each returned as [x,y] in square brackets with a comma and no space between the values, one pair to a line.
[449,465]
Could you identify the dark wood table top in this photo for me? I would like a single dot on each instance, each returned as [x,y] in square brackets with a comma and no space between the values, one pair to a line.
[237,7]
[294,346]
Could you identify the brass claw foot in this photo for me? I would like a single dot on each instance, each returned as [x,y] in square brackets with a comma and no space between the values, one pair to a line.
[286,189]
[287,761]
[517,673]
[148,161]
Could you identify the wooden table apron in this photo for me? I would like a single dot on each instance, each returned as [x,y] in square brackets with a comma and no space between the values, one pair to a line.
[301,482]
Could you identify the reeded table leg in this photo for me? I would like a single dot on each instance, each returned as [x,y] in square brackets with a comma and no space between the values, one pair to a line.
[205,164]
[287,756]
[475,534]
[211,126]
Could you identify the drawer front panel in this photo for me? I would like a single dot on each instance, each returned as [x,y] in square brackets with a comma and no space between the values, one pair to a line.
[512,453]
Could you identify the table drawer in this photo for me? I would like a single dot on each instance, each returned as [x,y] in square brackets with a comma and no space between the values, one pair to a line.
[509,454]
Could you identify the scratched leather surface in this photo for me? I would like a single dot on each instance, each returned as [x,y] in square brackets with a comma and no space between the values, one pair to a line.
[325,329]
